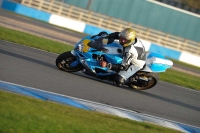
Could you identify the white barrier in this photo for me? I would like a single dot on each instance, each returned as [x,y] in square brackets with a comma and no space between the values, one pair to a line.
[67,23]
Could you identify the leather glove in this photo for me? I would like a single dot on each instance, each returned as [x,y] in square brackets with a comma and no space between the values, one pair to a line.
[115,67]
[98,43]
[124,67]
[105,41]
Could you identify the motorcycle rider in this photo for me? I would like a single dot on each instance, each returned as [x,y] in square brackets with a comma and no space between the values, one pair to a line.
[133,53]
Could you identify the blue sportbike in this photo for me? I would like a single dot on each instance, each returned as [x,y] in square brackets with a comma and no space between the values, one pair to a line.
[87,60]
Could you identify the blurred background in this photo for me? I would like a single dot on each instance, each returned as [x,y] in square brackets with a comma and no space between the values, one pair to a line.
[170,24]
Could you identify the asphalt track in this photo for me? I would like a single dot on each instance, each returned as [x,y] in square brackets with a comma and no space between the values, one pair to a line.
[35,68]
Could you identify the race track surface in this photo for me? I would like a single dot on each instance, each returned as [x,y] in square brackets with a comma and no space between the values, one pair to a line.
[36,68]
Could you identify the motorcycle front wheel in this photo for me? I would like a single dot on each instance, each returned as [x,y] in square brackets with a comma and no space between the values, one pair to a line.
[145,81]
[64,62]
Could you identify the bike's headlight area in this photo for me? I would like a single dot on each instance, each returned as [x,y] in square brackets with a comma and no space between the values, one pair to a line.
[82,46]
[79,47]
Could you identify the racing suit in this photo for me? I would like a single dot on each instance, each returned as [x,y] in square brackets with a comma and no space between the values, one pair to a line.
[133,59]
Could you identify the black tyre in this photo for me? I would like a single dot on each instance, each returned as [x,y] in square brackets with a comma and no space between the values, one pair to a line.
[64,60]
[144,85]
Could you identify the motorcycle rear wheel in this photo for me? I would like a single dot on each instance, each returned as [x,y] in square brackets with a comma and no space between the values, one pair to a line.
[64,60]
[147,84]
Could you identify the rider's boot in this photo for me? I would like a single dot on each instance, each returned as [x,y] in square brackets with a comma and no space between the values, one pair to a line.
[119,80]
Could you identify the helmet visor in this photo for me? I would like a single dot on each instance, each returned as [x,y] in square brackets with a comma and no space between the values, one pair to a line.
[123,40]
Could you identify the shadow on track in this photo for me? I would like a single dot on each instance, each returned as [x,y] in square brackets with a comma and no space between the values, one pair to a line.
[26,58]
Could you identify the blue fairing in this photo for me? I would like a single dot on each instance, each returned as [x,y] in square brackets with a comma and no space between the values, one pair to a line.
[114,56]
[94,64]
[161,66]
[114,59]
[156,55]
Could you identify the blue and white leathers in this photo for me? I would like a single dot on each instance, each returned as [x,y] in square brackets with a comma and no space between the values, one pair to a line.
[134,58]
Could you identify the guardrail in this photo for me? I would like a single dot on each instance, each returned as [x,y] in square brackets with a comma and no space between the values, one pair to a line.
[96,19]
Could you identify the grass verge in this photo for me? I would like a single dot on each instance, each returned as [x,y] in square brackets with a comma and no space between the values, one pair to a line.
[171,76]
[21,114]
[33,41]
[181,78]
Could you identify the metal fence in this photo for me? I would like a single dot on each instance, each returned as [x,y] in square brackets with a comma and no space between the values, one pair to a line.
[106,22]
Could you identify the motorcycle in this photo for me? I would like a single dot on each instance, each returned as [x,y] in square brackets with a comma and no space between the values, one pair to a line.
[87,60]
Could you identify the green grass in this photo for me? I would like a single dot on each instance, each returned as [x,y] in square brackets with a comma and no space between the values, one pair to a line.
[180,78]
[172,76]
[186,65]
[21,114]
[33,41]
